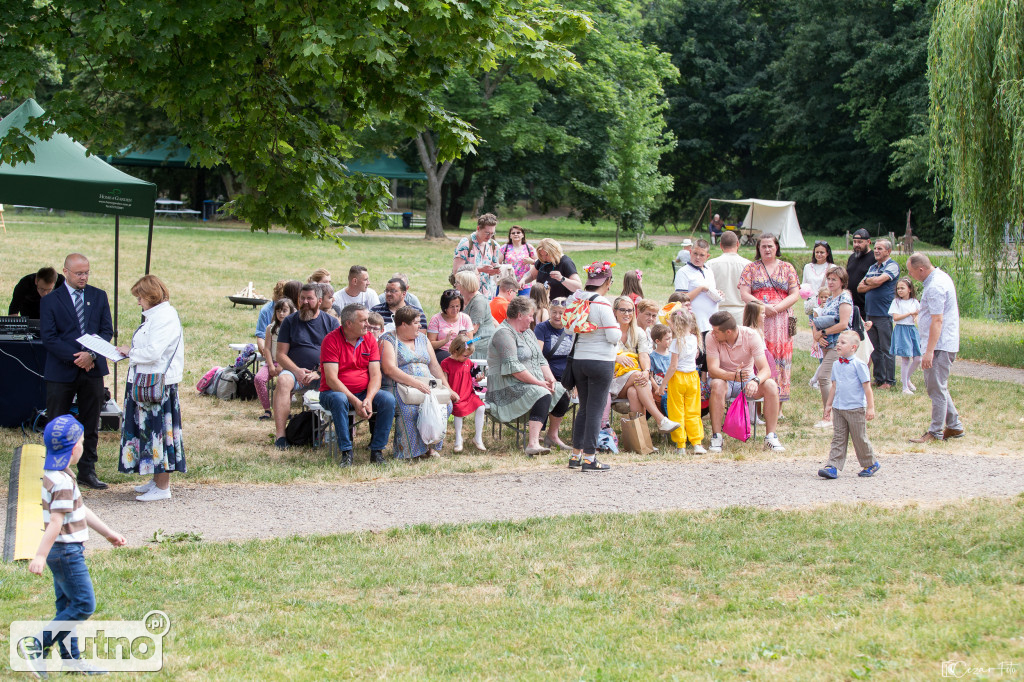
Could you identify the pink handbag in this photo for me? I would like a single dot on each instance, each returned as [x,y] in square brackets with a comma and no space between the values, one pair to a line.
[737,419]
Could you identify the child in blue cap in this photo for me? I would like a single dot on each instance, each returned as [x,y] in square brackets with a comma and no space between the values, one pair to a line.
[67,522]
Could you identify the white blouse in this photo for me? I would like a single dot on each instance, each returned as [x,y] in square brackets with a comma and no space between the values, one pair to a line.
[155,342]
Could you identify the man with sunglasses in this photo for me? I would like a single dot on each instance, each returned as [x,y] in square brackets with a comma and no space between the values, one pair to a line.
[857,266]
[879,289]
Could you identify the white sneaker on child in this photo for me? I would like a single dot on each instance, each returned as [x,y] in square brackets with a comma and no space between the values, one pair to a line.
[698,449]
[907,391]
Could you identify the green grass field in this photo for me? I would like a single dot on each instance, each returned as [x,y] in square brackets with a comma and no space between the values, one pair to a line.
[839,593]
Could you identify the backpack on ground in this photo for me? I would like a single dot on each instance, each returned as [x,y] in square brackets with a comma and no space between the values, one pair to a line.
[577,314]
[300,429]
[208,384]
[245,385]
[227,384]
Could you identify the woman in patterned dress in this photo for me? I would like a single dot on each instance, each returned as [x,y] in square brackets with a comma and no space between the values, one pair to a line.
[151,432]
[518,254]
[407,358]
[773,282]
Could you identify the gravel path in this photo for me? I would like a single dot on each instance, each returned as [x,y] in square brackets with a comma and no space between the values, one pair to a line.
[241,512]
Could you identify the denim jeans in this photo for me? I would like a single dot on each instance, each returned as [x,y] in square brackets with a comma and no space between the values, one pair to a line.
[72,587]
[383,408]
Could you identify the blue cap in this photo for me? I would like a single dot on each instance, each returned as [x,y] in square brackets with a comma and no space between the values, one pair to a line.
[60,437]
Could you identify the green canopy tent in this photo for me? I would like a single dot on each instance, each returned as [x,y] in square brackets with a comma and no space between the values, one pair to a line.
[64,176]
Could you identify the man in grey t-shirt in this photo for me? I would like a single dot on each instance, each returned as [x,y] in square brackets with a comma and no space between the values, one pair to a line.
[939,326]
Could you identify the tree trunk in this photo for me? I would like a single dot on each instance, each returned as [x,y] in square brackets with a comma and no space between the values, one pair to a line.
[617,225]
[456,207]
[199,189]
[435,178]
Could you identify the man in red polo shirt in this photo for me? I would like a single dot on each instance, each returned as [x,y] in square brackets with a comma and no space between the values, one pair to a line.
[350,378]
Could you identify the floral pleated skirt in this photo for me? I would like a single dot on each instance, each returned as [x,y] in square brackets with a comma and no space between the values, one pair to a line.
[151,435]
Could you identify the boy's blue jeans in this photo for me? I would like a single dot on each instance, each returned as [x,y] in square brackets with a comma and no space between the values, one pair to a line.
[72,587]
[383,408]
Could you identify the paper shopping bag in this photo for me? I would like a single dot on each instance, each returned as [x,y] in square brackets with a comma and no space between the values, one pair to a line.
[635,436]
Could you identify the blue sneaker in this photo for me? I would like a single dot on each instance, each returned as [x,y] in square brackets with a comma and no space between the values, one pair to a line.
[828,472]
[870,471]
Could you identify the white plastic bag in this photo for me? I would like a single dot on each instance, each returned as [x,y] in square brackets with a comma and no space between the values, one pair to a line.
[432,421]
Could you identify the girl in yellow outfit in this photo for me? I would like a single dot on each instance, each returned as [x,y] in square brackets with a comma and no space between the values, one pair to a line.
[683,382]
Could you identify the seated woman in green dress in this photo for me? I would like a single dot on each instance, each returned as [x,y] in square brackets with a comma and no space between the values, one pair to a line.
[519,380]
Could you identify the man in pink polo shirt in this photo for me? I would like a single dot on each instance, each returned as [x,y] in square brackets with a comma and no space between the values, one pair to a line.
[736,362]
[350,378]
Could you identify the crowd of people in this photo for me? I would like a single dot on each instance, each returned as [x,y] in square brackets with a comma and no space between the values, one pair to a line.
[727,330]
[498,340]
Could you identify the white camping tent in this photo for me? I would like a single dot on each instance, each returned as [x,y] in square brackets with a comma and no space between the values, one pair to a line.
[775,217]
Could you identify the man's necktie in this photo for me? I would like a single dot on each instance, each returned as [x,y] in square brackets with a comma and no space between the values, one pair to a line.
[80,308]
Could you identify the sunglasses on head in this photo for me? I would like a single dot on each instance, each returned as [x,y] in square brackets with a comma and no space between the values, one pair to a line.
[560,302]
[821,242]
[449,292]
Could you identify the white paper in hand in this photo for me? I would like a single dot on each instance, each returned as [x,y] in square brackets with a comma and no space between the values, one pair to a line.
[100,347]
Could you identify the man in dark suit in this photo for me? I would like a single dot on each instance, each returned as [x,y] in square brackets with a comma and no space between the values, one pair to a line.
[71,370]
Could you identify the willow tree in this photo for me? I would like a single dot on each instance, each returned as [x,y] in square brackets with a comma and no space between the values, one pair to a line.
[976,151]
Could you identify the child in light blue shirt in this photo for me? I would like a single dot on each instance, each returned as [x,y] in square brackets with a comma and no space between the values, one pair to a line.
[851,405]
[661,337]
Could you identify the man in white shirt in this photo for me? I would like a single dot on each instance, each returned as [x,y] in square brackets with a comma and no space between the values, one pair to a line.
[358,289]
[699,284]
[727,268]
[939,326]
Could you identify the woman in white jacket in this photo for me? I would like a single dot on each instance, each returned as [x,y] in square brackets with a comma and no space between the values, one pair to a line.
[151,432]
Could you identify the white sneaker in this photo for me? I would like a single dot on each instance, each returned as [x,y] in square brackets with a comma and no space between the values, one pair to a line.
[698,449]
[907,391]
[666,425]
[771,441]
[145,488]
[911,386]
[77,665]
[681,451]
[717,440]
[823,424]
[154,495]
